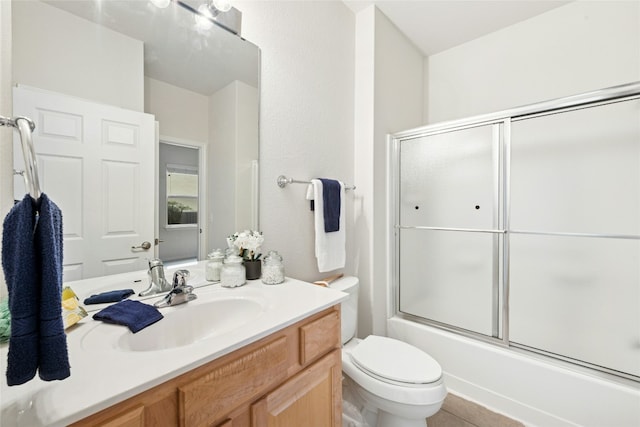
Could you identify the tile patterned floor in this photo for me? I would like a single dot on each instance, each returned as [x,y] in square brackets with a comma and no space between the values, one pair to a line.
[458,412]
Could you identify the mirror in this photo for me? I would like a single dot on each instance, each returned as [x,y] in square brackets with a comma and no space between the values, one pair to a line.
[199,85]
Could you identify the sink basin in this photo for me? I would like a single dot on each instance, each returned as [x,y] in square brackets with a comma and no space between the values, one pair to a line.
[182,325]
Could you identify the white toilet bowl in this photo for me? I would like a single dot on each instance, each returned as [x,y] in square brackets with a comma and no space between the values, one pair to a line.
[400,384]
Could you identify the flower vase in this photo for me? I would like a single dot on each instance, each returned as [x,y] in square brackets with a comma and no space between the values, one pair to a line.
[254,269]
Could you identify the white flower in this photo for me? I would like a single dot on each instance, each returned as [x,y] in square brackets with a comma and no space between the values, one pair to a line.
[248,243]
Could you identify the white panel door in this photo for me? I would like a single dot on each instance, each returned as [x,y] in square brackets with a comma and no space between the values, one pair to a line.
[96,162]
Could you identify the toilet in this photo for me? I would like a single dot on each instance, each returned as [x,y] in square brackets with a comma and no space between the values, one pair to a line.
[395,383]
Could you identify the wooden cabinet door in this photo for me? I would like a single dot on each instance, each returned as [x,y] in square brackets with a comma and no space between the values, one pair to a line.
[131,418]
[312,398]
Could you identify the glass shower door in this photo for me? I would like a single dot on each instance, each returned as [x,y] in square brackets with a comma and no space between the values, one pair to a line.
[575,235]
[449,232]
[522,228]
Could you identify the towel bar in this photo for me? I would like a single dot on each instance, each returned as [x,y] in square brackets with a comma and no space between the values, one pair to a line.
[25,127]
[283,181]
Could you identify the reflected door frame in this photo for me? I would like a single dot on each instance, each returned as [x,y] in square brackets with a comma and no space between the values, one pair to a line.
[202,189]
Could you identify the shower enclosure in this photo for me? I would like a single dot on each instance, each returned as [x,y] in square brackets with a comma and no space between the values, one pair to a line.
[522,228]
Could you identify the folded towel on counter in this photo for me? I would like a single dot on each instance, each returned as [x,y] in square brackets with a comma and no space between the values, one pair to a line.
[330,246]
[32,263]
[109,296]
[133,314]
[331,202]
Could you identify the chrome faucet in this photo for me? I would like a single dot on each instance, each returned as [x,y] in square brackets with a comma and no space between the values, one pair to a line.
[180,293]
[157,282]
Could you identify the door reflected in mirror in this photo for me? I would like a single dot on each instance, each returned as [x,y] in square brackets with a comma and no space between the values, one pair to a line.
[200,87]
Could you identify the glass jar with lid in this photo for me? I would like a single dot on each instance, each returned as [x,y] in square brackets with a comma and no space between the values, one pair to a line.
[233,273]
[273,269]
[214,266]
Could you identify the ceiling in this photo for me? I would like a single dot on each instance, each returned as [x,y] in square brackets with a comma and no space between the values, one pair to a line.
[438,25]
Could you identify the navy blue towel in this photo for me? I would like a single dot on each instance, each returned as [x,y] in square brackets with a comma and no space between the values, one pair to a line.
[32,263]
[54,359]
[134,314]
[331,199]
[109,296]
[19,266]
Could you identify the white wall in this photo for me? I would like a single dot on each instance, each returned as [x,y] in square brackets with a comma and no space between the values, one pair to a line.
[181,113]
[579,47]
[247,150]
[58,51]
[233,114]
[388,99]
[306,117]
[222,161]
[6,110]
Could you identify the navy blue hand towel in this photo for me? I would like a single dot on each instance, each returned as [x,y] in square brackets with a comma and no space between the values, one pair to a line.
[331,200]
[109,296]
[32,263]
[133,314]
[19,266]
[54,359]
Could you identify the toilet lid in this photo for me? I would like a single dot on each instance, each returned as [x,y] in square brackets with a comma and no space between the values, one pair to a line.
[395,360]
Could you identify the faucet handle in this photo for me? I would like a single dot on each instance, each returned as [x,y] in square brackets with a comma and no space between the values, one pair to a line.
[180,293]
[180,278]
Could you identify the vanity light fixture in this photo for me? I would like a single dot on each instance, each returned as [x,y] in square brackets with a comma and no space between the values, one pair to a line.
[161,4]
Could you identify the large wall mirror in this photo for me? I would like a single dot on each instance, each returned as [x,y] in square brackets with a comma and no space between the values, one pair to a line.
[126,95]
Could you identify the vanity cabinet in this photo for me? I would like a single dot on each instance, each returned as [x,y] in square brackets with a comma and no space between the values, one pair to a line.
[304,399]
[289,378]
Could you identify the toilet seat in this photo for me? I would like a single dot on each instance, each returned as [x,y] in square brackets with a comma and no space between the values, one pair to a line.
[394,391]
[395,362]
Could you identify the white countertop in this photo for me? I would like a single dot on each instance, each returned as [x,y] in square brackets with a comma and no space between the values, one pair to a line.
[103,373]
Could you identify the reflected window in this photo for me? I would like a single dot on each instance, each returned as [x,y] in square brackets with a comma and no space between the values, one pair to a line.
[182,195]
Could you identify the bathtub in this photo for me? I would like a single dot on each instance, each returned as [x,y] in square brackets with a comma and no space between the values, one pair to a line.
[534,390]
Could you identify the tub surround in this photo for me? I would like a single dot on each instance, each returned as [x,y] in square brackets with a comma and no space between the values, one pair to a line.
[102,377]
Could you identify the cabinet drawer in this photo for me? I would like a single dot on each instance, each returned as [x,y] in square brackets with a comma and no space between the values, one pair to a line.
[319,337]
[215,394]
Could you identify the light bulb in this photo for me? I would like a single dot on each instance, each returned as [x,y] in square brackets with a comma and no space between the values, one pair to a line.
[161,3]
[203,17]
[222,5]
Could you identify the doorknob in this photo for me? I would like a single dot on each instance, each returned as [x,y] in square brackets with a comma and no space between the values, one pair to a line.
[143,245]
[158,241]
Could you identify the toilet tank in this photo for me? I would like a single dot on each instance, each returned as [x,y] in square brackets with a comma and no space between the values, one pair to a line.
[349,307]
